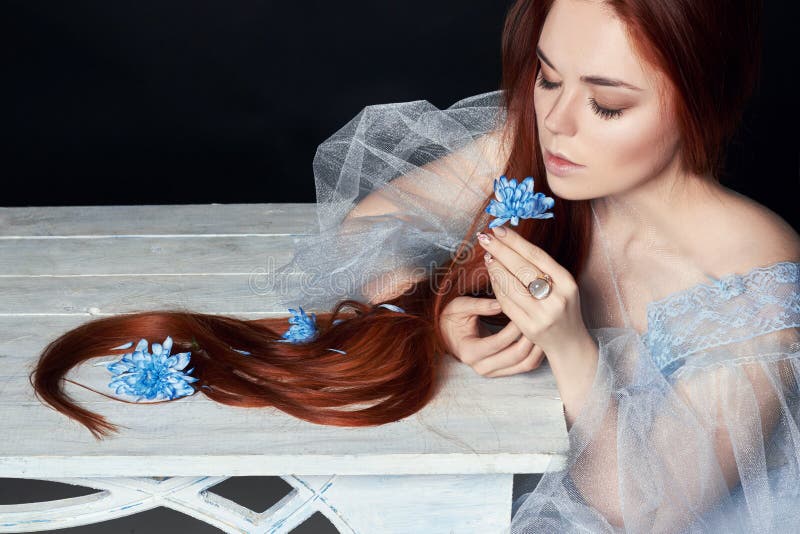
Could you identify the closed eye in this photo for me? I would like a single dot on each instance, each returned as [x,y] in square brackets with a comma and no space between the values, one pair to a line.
[600,110]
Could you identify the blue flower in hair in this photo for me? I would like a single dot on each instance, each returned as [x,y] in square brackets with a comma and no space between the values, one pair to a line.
[517,201]
[304,328]
[155,375]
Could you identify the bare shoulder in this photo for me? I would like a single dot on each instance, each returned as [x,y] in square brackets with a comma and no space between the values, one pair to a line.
[752,234]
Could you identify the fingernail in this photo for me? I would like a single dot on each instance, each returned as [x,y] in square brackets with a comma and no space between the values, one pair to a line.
[484,238]
[488,258]
[499,231]
[495,305]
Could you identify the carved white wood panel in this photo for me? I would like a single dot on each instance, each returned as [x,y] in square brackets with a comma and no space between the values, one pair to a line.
[353,504]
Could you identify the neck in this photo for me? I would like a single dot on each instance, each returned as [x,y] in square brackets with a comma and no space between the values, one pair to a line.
[671,205]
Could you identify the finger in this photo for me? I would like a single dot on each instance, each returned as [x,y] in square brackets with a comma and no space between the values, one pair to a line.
[477,348]
[532,253]
[483,306]
[529,363]
[497,341]
[521,268]
[529,253]
[474,306]
[507,357]
[509,291]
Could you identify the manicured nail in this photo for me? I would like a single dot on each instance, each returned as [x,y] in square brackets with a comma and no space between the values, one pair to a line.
[495,305]
[488,257]
[499,231]
[484,238]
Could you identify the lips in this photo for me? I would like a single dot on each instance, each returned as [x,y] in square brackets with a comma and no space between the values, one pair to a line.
[558,157]
[557,164]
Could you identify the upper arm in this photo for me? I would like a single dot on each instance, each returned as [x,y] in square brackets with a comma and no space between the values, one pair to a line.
[462,180]
[768,239]
[741,401]
[451,187]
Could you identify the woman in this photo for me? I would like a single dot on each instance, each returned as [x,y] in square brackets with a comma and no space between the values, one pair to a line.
[667,305]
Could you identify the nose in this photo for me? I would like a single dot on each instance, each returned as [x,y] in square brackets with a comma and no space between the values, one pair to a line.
[561,118]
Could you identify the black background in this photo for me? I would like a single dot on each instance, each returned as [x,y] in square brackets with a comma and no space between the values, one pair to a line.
[175,102]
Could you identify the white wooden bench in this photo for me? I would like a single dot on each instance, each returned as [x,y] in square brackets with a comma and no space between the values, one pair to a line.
[448,468]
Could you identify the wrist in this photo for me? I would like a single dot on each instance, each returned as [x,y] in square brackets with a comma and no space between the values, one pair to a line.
[574,368]
[574,353]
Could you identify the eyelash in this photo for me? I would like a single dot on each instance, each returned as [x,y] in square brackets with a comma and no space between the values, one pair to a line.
[605,113]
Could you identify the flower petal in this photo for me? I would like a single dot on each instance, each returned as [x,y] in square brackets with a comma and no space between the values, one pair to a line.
[181,360]
[141,346]
[167,346]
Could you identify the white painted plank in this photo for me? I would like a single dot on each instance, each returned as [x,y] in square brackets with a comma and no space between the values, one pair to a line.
[179,219]
[257,291]
[200,254]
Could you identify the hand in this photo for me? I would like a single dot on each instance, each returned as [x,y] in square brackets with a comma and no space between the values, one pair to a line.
[553,323]
[506,352]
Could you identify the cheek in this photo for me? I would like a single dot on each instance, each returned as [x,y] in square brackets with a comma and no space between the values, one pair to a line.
[618,153]
[636,149]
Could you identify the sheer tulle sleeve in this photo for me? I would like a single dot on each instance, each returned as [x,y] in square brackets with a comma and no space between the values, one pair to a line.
[692,426]
[397,188]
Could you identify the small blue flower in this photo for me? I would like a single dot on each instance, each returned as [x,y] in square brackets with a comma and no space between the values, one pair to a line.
[304,328]
[517,201]
[153,375]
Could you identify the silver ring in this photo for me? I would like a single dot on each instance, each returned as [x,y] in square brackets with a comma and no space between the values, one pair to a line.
[540,287]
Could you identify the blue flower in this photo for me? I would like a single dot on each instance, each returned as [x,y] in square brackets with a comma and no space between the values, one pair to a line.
[304,328]
[517,201]
[153,375]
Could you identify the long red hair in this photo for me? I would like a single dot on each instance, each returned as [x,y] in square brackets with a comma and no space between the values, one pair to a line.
[709,53]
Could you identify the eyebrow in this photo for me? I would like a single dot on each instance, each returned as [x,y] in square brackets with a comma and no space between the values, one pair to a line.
[593,79]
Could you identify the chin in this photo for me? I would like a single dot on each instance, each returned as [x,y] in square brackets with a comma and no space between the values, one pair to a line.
[561,192]
[570,195]
[568,188]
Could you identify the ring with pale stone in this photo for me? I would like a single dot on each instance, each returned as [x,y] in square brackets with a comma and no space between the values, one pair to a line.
[540,287]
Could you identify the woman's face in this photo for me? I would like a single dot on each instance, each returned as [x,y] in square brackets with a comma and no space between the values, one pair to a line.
[618,134]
